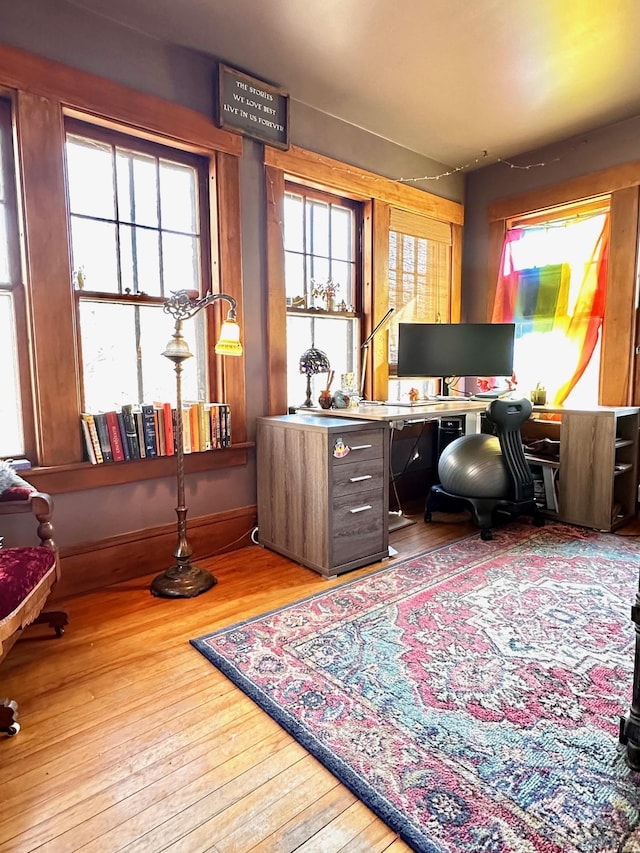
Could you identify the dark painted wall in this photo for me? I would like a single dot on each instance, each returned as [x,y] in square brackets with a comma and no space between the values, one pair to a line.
[590,152]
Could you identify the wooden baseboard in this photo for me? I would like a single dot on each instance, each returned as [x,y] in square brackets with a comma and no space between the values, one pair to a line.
[94,565]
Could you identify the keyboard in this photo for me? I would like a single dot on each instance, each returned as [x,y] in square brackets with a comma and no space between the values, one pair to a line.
[478,398]
[409,404]
[432,401]
[488,395]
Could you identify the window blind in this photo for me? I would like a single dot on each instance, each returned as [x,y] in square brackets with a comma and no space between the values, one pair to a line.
[419,273]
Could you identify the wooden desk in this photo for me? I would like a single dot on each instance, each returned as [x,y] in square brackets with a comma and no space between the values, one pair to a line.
[399,416]
[597,471]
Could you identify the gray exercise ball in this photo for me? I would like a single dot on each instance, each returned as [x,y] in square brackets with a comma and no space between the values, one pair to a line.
[473,466]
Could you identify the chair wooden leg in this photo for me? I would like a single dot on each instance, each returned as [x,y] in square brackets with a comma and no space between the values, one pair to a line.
[9,724]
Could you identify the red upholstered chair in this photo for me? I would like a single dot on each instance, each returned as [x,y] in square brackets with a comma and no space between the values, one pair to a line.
[27,576]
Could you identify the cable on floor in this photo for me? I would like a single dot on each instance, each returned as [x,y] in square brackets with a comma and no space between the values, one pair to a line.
[251,533]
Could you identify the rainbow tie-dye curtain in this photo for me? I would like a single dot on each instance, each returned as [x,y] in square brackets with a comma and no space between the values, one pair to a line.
[537,300]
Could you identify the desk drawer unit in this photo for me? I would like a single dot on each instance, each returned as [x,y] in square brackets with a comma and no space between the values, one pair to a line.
[323,491]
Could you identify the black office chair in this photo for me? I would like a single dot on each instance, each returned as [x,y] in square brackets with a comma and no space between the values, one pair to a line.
[506,417]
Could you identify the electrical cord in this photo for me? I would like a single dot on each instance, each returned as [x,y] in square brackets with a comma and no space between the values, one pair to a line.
[393,479]
[251,533]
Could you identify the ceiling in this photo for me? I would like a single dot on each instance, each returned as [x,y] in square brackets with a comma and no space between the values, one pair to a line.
[465,82]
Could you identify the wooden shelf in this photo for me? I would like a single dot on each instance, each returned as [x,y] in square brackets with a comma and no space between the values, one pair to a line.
[621,468]
[623,442]
[598,465]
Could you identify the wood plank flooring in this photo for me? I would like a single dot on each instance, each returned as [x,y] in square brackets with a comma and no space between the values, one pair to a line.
[132,741]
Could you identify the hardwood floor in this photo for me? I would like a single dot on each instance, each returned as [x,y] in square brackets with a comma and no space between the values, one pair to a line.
[132,741]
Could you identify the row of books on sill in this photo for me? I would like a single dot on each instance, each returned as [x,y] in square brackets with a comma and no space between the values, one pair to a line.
[149,431]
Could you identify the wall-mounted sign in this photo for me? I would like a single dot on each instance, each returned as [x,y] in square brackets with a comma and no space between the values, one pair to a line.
[252,107]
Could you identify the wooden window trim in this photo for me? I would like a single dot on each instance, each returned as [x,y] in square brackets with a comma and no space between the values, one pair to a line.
[43,92]
[378,195]
[618,387]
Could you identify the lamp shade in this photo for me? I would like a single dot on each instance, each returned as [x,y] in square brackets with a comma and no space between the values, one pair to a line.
[229,340]
[314,361]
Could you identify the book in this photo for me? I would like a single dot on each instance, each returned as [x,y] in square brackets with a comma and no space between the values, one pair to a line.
[169,439]
[204,426]
[174,423]
[186,427]
[115,436]
[131,432]
[220,425]
[194,424]
[215,425]
[148,423]
[95,455]
[224,429]
[209,436]
[123,436]
[89,452]
[158,415]
[227,431]
[140,432]
[103,436]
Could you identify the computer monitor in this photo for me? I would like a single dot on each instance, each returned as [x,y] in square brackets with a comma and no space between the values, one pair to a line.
[455,349]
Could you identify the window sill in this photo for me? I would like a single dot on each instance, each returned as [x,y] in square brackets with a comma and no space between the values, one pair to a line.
[319,312]
[83,475]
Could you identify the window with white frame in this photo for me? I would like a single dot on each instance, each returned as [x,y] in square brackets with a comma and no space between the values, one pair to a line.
[11,434]
[136,234]
[322,280]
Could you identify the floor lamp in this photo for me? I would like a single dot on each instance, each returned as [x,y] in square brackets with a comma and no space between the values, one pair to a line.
[365,350]
[183,579]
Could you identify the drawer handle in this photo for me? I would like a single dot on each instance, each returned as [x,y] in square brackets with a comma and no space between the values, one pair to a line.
[361,446]
[359,479]
[360,508]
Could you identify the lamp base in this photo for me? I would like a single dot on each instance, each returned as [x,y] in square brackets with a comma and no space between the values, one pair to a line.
[182,581]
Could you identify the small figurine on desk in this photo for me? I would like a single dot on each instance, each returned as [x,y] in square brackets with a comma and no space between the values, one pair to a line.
[414,395]
[341,400]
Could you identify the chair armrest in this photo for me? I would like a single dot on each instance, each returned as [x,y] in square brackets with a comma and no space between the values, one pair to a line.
[41,505]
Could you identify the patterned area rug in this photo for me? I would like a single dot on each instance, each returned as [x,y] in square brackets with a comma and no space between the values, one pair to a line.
[469,696]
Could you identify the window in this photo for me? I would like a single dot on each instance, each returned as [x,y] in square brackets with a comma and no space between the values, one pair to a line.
[552,284]
[322,282]
[11,434]
[136,237]
[74,258]
[373,201]
[419,284]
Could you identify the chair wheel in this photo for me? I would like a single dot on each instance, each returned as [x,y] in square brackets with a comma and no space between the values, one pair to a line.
[427,516]
[13,729]
[486,535]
